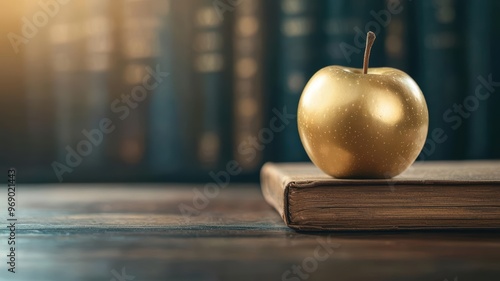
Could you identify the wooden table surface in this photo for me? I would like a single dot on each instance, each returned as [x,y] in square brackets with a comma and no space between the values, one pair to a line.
[136,232]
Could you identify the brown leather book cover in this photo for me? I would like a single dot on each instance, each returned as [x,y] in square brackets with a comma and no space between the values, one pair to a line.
[429,195]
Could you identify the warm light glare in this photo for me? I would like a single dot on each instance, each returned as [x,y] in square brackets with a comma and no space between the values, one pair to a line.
[387,109]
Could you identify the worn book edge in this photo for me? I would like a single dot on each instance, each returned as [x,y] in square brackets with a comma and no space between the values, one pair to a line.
[277,198]
[273,175]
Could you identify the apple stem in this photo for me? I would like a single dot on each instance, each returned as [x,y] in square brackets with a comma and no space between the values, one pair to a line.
[370,38]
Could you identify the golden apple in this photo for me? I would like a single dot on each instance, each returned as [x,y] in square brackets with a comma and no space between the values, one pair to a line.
[362,123]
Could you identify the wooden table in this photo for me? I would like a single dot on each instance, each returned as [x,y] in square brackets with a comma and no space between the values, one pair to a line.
[99,232]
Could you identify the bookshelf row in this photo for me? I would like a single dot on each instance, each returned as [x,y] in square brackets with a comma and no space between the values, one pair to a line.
[167,90]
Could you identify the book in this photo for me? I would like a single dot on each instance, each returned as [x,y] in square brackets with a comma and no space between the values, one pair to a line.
[399,42]
[93,105]
[478,30]
[140,49]
[248,84]
[165,136]
[429,195]
[442,76]
[40,104]
[210,65]
[66,85]
[297,55]
[188,103]
[494,99]
[19,148]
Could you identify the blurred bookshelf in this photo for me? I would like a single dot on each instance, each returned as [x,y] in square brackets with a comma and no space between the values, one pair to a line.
[167,90]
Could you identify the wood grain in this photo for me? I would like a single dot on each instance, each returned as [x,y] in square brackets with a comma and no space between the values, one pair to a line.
[83,232]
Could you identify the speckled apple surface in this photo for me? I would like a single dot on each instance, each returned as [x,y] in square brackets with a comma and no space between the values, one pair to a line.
[356,125]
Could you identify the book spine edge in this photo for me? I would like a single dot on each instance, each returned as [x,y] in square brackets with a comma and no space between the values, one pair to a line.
[271,179]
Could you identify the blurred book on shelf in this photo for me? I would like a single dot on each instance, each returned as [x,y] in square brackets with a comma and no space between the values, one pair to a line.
[442,74]
[167,90]
[297,38]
